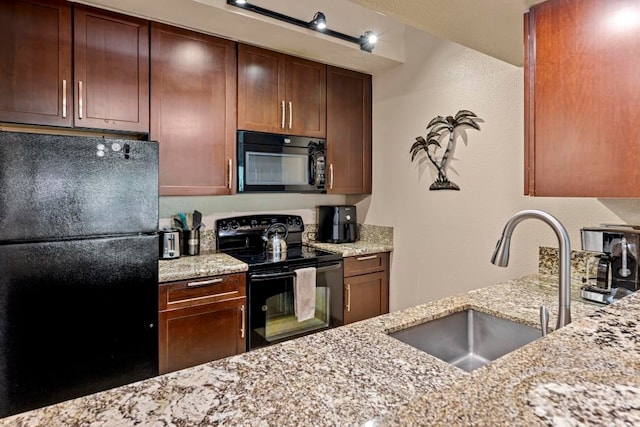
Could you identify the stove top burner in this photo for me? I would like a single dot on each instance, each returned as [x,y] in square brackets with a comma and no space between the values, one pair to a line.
[295,255]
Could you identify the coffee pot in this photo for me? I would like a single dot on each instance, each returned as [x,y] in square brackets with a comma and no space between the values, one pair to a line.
[616,258]
[276,245]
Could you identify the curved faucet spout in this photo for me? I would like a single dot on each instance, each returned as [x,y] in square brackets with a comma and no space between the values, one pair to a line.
[500,257]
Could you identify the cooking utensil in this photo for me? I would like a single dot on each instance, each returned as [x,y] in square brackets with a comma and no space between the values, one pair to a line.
[183,220]
[197,219]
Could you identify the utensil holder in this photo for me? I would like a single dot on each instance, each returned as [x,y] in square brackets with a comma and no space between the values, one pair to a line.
[190,242]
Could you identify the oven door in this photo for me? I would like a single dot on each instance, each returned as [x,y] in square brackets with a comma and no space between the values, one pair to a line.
[271,317]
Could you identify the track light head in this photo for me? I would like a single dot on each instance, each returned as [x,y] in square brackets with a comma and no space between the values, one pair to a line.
[368,41]
[319,21]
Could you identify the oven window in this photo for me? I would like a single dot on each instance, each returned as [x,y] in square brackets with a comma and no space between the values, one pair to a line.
[276,168]
[280,318]
[273,317]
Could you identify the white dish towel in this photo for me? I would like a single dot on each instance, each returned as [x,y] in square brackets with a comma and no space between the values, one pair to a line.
[304,293]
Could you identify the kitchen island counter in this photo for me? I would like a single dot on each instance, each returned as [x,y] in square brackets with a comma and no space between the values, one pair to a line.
[357,373]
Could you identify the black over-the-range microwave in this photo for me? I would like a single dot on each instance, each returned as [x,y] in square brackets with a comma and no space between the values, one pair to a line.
[279,163]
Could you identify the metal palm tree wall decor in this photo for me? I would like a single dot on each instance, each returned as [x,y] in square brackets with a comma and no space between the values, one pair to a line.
[436,131]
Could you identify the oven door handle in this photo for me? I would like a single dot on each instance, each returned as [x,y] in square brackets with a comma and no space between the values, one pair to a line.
[271,276]
[329,267]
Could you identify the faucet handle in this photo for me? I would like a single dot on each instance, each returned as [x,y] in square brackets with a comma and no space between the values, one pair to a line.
[544,319]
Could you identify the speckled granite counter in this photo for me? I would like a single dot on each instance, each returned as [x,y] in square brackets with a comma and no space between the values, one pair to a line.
[192,267]
[357,373]
[373,239]
[352,249]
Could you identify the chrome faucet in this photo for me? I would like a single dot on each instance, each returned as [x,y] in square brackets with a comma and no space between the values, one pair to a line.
[500,257]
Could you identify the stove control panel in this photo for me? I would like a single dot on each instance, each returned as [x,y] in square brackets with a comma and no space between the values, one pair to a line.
[254,224]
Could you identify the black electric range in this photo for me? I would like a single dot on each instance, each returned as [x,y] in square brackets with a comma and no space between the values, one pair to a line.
[275,282]
[241,237]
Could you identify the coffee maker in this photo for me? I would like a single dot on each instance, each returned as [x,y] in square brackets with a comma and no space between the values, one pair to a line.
[617,261]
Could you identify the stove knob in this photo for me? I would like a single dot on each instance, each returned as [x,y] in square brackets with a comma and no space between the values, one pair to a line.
[224,226]
[234,225]
[254,223]
[298,222]
[290,221]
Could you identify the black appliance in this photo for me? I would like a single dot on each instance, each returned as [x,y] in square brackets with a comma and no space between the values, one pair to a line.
[279,163]
[270,280]
[337,224]
[79,282]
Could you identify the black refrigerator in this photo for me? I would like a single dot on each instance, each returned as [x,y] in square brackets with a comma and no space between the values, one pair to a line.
[78,266]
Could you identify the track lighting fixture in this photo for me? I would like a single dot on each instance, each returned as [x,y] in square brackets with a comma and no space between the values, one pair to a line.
[318,23]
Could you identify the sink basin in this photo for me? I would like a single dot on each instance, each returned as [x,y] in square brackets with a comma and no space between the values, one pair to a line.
[468,339]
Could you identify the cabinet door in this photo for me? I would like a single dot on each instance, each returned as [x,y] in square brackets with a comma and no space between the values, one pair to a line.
[261,90]
[193,111]
[35,65]
[111,66]
[582,96]
[348,132]
[365,296]
[201,333]
[306,98]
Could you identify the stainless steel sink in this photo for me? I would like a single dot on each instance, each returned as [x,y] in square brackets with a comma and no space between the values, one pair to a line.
[468,339]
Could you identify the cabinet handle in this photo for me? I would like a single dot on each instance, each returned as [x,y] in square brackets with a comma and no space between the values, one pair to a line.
[364,258]
[348,298]
[64,99]
[242,321]
[330,176]
[282,119]
[230,174]
[203,283]
[290,114]
[80,99]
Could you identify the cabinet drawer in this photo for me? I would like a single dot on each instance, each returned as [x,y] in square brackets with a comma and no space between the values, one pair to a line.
[365,264]
[200,291]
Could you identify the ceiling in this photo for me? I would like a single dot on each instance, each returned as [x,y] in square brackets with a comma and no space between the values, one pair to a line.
[493,27]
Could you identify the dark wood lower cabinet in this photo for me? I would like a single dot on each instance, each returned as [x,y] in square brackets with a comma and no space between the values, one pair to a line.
[201,320]
[366,287]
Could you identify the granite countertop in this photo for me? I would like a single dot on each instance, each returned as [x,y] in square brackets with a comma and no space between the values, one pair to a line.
[360,247]
[585,373]
[191,267]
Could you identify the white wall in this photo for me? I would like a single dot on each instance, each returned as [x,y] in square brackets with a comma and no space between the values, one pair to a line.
[444,239]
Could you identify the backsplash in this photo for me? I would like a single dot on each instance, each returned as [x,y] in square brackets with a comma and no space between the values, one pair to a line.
[370,233]
[548,263]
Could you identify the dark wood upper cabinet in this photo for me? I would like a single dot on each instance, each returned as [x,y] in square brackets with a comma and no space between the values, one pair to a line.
[35,64]
[348,131]
[582,92]
[111,71]
[280,94]
[193,110]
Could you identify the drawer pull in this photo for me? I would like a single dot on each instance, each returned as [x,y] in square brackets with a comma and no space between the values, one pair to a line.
[242,321]
[364,258]
[348,298]
[203,283]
